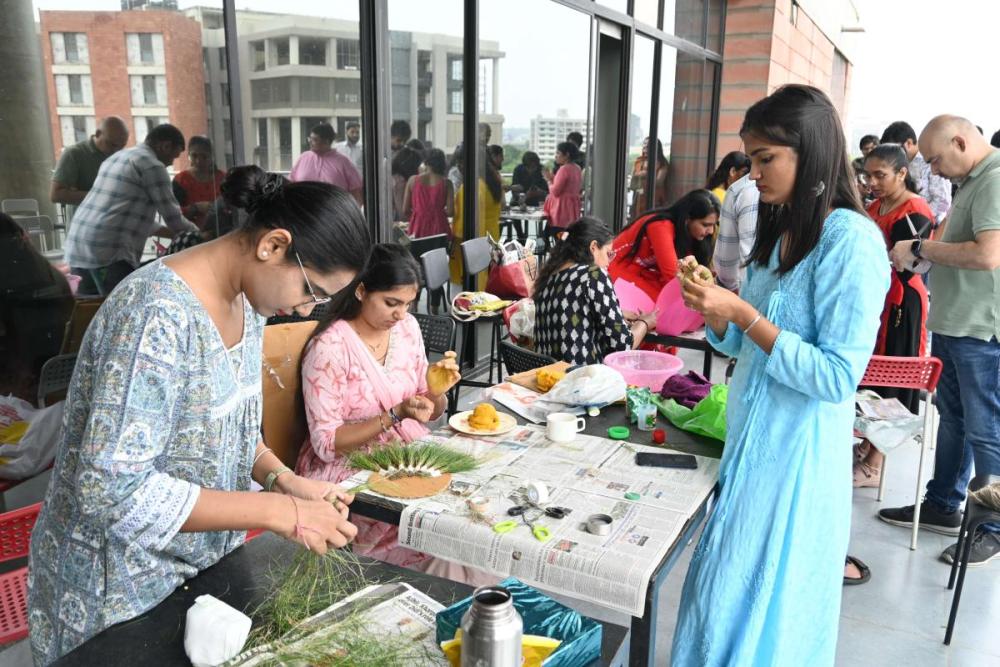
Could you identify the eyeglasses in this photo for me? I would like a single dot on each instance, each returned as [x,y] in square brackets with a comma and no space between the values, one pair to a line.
[316,300]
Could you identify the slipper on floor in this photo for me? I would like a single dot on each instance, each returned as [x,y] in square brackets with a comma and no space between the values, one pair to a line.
[866,573]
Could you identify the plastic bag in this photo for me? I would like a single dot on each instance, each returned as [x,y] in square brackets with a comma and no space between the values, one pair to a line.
[707,418]
[595,385]
[520,321]
[36,449]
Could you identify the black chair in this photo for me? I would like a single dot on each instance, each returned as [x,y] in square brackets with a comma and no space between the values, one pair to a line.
[975,516]
[317,314]
[437,278]
[439,332]
[476,257]
[518,360]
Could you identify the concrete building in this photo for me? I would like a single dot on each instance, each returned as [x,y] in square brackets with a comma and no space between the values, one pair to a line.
[299,70]
[144,66]
[549,132]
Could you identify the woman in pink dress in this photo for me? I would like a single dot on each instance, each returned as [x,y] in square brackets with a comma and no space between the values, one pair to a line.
[364,380]
[562,206]
[429,199]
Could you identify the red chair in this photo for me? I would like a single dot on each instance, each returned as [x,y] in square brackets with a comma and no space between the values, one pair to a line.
[907,373]
[15,535]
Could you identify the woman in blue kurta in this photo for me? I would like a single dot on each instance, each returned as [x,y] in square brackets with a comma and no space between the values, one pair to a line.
[162,429]
[765,580]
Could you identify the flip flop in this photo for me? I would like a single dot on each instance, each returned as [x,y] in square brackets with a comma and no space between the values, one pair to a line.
[866,573]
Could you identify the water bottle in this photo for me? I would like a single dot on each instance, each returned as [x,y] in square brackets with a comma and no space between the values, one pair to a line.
[491,630]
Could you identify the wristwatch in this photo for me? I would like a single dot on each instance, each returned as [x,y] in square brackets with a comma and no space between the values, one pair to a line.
[916,248]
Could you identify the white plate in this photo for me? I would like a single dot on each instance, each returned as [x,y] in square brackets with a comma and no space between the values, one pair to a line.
[460,422]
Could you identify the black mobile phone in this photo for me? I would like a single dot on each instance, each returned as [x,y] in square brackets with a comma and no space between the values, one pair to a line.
[685,461]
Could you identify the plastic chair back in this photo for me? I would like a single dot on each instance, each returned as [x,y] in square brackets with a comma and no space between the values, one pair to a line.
[435,265]
[518,360]
[55,376]
[438,332]
[902,372]
[19,207]
[283,422]
[476,255]
[427,243]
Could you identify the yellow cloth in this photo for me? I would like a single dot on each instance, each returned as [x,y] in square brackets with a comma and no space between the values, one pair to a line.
[489,221]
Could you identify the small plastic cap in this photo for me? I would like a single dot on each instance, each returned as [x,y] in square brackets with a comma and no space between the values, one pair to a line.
[632,496]
[618,432]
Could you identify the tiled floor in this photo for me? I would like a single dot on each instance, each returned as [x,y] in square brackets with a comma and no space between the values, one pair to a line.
[898,618]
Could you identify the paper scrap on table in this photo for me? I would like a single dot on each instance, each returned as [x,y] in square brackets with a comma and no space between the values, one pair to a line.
[214,632]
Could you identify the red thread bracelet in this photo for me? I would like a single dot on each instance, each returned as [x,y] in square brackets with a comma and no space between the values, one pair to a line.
[300,530]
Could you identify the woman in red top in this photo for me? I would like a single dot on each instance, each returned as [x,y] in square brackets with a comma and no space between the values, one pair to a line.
[429,201]
[198,187]
[646,252]
[562,206]
[903,332]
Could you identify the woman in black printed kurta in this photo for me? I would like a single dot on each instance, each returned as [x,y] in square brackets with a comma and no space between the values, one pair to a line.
[577,316]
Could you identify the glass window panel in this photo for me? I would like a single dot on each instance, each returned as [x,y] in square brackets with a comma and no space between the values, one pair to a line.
[281,52]
[647,11]
[312,51]
[617,5]
[348,54]
[638,132]
[716,18]
[689,20]
[258,57]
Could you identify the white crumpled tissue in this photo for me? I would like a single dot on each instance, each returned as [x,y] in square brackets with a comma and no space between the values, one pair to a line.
[214,632]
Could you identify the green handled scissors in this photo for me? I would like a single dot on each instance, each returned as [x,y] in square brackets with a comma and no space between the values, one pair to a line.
[541,533]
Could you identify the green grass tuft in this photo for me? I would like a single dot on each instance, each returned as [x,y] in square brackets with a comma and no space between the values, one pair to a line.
[427,455]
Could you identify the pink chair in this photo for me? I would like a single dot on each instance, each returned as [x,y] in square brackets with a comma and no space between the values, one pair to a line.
[15,536]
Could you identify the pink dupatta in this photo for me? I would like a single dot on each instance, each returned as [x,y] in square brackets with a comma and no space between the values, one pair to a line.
[387,393]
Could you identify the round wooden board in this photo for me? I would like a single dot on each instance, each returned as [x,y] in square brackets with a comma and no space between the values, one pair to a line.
[409,487]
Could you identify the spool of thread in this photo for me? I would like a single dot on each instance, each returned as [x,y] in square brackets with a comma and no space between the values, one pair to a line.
[538,493]
[479,504]
[599,524]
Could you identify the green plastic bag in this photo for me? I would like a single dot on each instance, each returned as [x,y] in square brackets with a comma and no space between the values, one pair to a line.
[708,417]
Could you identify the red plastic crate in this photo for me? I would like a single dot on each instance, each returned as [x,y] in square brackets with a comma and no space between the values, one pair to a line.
[15,531]
[14,606]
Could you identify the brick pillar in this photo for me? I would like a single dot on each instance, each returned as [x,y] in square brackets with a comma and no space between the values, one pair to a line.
[750,39]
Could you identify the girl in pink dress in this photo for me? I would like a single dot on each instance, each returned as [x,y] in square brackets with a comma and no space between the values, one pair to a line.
[429,199]
[364,380]
[562,206]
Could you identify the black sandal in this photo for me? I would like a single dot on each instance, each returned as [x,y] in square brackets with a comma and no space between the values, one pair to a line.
[866,573]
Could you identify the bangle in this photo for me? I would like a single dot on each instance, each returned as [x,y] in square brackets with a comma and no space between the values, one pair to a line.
[273,476]
[259,454]
[752,323]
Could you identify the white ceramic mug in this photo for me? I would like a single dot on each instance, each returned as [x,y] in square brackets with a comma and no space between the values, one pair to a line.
[563,427]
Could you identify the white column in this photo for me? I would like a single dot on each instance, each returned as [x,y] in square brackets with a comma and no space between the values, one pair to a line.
[296,137]
[496,86]
[293,50]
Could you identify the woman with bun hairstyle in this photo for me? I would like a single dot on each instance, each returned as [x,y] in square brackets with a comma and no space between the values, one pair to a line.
[161,437]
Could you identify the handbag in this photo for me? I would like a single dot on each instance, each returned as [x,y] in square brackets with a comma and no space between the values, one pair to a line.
[513,281]
[513,270]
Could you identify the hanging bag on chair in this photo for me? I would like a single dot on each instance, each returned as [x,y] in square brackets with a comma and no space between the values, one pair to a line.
[513,271]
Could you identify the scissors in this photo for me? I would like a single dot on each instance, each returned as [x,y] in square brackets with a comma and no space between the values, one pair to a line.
[541,533]
[554,512]
[917,235]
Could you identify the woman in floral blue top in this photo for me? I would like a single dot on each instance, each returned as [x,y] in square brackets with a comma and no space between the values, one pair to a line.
[162,433]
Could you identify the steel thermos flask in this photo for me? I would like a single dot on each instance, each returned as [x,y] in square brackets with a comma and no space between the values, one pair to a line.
[491,630]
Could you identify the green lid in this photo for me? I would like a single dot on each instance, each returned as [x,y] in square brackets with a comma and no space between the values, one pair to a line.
[618,433]
[632,496]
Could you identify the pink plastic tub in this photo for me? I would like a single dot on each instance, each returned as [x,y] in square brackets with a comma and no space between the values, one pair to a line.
[644,368]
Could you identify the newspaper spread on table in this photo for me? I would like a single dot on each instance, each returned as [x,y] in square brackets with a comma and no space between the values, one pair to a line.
[588,476]
[395,608]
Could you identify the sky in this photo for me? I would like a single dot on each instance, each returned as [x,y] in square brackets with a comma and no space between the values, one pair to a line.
[916,58]
[921,58]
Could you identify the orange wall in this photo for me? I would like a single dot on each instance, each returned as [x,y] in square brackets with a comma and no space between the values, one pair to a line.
[764,50]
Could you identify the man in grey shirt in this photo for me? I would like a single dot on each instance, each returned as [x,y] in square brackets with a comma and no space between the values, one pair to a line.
[78,165]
